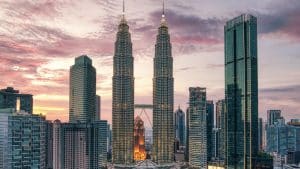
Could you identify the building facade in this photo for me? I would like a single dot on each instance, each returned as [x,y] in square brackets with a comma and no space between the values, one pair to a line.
[197,137]
[209,128]
[83,145]
[22,140]
[49,144]
[273,116]
[98,107]
[57,145]
[220,124]
[179,121]
[163,98]
[82,92]
[11,98]
[241,91]
[123,97]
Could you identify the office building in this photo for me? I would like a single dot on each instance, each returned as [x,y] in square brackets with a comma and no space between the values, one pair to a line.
[83,145]
[197,122]
[123,97]
[49,144]
[220,124]
[241,91]
[273,116]
[57,145]
[11,98]
[139,139]
[179,121]
[98,107]
[22,140]
[282,138]
[82,92]
[163,98]
[209,128]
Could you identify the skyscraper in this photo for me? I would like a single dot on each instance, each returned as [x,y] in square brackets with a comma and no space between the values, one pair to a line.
[11,98]
[260,134]
[123,97]
[273,116]
[241,91]
[197,122]
[220,124]
[49,144]
[82,93]
[163,97]
[98,107]
[209,128]
[180,126]
[57,145]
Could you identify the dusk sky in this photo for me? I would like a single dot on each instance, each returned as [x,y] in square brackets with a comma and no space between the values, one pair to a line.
[40,39]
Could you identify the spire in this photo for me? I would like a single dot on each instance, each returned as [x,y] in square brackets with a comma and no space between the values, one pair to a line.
[163,21]
[123,20]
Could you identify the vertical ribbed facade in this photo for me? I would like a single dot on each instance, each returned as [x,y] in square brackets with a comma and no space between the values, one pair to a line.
[179,121]
[197,122]
[123,97]
[209,127]
[82,94]
[241,91]
[163,98]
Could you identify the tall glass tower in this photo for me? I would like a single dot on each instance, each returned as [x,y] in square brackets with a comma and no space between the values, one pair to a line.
[163,97]
[123,97]
[82,91]
[197,128]
[241,91]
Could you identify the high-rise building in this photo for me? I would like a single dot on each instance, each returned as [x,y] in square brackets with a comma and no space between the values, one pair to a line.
[98,107]
[83,145]
[209,128]
[241,91]
[220,124]
[57,145]
[49,144]
[197,137]
[139,139]
[123,97]
[82,92]
[163,97]
[260,134]
[273,116]
[179,123]
[282,138]
[22,140]
[11,98]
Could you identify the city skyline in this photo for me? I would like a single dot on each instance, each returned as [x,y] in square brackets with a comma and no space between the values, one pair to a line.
[44,68]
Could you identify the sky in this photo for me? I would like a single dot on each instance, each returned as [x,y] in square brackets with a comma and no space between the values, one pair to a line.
[39,41]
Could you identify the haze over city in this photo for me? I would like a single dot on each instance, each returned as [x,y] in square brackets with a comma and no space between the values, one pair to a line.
[40,39]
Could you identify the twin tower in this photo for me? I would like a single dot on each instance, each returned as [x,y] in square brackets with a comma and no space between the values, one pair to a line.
[123,97]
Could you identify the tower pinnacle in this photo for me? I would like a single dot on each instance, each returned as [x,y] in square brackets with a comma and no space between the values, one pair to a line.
[123,20]
[163,21]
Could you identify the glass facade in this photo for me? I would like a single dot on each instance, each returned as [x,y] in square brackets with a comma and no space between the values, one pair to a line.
[163,98]
[82,94]
[241,91]
[197,128]
[180,126]
[123,98]
[209,128]
[22,140]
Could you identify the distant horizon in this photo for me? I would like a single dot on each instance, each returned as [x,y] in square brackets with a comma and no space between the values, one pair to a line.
[40,40]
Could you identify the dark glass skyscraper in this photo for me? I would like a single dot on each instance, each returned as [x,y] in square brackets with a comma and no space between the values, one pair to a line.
[179,121]
[123,97]
[209,127]
[163,97]
[82,93]
[241,91]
